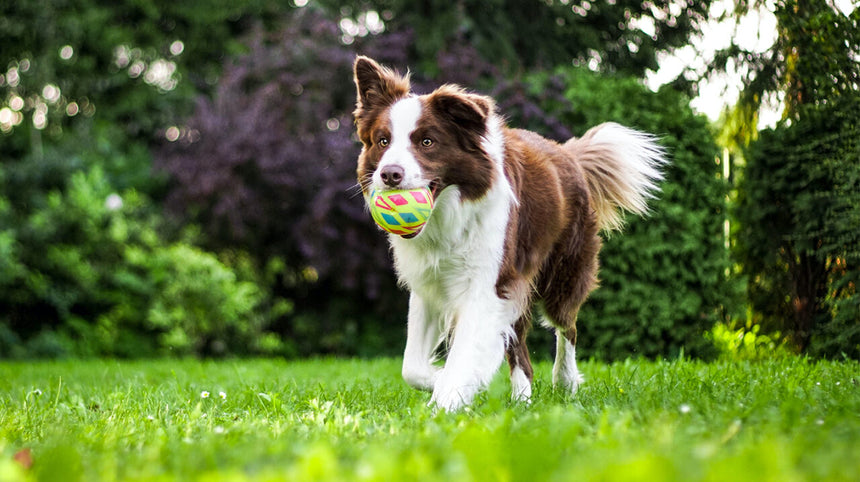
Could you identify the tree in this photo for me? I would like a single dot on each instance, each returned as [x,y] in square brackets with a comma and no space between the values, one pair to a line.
[621,36]
[69,60]
[797,211]
[813,60]
[265,161]
[799,233]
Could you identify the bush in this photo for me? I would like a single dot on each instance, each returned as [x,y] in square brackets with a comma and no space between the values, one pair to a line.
[97,279]
[282,184]
[746,342]
[87,265]
[799,228]
[664,281]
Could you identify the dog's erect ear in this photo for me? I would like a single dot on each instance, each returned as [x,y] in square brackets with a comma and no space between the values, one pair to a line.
[467,111]
[377,86]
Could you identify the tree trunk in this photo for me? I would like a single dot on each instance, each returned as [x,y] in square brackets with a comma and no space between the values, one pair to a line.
[809,276]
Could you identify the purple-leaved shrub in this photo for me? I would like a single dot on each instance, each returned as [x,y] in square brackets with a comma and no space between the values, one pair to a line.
[267,165]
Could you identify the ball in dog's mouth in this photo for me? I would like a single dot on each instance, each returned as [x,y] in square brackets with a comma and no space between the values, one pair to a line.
[402,211]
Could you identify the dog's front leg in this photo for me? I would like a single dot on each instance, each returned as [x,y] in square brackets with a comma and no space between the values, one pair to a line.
[477,350]
[423,334]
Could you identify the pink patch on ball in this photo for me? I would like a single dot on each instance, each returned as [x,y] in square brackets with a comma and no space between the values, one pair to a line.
[398,199]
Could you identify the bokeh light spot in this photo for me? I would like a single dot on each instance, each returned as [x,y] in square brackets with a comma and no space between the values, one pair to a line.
[172,133]
[177,47]
[66,52]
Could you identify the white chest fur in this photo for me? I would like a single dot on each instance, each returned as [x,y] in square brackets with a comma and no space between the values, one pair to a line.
[459,253]
[451,268]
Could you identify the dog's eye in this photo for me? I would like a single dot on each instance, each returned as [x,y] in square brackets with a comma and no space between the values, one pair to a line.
[383,142]
[427,142]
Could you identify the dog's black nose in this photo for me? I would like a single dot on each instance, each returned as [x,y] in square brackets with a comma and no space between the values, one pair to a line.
[392,175]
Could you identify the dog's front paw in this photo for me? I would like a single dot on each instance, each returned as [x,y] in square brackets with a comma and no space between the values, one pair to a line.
[422,378]
[450,397]
[450,402]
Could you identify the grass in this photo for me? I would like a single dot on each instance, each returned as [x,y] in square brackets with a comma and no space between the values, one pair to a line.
[783,420]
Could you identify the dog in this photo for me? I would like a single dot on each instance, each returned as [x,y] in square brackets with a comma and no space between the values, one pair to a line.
[515,226]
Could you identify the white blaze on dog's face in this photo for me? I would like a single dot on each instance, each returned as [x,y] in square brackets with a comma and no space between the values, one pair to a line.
[409,141]
[398,167]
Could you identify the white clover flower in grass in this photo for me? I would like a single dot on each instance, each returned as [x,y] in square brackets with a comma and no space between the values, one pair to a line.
[204,394]
[684,408]
[223,395]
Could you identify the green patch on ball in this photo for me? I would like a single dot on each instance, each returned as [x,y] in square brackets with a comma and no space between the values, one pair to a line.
[401,211]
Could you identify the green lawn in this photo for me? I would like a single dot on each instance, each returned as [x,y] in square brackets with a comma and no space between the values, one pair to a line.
[782,420]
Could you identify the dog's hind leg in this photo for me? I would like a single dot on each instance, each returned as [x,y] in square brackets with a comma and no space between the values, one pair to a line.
[518,359]
[564,288]
[562,315]
[565,374]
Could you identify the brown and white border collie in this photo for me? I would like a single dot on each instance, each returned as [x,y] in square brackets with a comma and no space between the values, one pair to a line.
[515,225]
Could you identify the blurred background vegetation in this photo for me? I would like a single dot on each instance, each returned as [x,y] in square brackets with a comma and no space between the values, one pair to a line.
[177,178]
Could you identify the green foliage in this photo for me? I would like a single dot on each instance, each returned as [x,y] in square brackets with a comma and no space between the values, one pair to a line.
[114,61]
[746,342]
[782,419]
[799,228]
[664,279]
[91,87]
[99,280]
[194,302]
[813,58]
[515,35]
[87,264]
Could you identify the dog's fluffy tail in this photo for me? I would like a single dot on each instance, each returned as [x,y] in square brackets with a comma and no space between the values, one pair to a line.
[622,167]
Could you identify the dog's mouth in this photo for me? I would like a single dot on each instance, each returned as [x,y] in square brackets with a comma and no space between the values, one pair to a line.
[435,187]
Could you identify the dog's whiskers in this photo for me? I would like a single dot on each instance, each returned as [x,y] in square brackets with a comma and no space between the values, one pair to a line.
[362,186]
[355,190]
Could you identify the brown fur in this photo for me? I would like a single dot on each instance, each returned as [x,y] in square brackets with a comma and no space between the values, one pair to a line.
[552,242]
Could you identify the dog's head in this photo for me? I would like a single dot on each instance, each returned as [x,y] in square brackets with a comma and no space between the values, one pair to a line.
[410,141]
